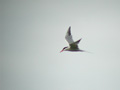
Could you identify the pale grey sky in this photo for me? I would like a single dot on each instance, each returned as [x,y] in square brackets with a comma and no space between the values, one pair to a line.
[33,34]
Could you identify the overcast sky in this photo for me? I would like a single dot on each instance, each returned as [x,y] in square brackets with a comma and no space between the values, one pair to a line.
[33,34]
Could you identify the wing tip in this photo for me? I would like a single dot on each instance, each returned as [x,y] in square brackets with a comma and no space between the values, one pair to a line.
[69,31]
[78,41]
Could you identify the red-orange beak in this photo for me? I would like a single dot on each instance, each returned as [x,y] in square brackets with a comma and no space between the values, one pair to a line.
[61,50]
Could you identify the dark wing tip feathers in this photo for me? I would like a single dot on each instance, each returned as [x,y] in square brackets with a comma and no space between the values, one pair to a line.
[69,31]
[78,41]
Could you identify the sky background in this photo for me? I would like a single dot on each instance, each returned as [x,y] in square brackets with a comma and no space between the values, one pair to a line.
[33,34]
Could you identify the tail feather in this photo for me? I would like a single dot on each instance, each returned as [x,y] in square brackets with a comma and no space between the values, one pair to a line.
[85,51]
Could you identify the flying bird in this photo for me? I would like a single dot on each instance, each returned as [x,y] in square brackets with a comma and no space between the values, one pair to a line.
[73,46]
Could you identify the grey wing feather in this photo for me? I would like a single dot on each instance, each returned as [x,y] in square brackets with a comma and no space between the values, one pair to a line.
[68,36]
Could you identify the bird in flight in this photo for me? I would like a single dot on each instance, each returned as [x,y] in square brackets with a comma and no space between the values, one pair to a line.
[73,46]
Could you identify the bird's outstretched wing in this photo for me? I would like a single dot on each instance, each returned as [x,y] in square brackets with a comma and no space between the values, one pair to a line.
[75,44]
[68,36]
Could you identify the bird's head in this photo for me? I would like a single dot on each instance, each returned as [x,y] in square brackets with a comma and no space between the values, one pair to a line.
[63,49]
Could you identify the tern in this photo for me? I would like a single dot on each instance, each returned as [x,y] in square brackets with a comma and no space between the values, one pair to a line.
[73,46]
